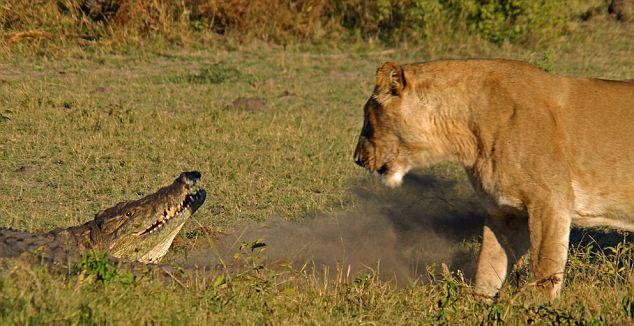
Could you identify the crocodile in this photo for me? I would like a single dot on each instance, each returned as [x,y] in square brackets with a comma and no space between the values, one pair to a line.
[139,231]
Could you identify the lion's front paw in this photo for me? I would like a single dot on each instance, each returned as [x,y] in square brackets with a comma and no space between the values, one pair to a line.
[551,285]
[485,296]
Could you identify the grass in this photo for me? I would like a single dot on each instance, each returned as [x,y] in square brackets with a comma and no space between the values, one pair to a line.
[87,127]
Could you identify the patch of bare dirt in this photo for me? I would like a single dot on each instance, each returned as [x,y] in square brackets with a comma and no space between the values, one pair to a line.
[249,104]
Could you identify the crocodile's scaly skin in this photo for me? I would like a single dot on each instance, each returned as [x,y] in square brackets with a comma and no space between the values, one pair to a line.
[56,245]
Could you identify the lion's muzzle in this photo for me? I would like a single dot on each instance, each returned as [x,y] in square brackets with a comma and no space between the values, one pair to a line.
[361,152]
[365,156]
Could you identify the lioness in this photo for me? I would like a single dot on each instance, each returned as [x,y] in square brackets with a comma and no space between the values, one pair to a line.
[544,151]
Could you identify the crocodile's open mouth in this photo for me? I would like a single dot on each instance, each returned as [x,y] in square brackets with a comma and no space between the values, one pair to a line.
[192,201]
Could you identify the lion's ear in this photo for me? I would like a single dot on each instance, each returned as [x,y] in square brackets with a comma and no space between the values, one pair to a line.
[390,79]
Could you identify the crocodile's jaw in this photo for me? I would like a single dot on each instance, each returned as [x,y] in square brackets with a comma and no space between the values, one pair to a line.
[156,254]
[143,230]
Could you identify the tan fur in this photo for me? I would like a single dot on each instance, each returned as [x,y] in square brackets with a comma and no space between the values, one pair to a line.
[543,151]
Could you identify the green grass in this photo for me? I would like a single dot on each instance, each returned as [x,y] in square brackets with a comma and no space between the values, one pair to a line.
[86,128]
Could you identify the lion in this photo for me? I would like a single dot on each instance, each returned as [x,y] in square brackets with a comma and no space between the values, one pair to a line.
[543,151]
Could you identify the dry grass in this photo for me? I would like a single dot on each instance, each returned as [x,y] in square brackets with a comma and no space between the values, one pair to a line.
[60,23]
[89,126]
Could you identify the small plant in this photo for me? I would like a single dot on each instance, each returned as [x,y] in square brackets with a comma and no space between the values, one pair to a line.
[97,264]
[447,304]
[546,61]
[86,315]
[216,73]
[252,245]
[628,305]
[620,261]
[250,254]
[495,314]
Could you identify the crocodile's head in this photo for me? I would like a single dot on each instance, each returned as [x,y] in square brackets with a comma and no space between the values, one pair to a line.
[143,230]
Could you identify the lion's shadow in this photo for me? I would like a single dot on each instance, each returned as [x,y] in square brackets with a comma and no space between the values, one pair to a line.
[449,209]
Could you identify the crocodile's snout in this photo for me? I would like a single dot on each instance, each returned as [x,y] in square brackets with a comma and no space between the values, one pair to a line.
[190,178]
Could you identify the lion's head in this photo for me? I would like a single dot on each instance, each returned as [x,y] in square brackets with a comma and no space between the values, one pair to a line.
[407,124]
[379,147]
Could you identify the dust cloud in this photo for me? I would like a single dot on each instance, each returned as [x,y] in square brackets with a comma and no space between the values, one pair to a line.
[397,233]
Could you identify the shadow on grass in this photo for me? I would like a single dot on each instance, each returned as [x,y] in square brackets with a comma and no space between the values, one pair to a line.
[601,239]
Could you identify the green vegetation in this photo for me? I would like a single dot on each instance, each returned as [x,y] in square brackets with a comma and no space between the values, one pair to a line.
[210,74]
[97,265]
[64,22]
[93,113]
